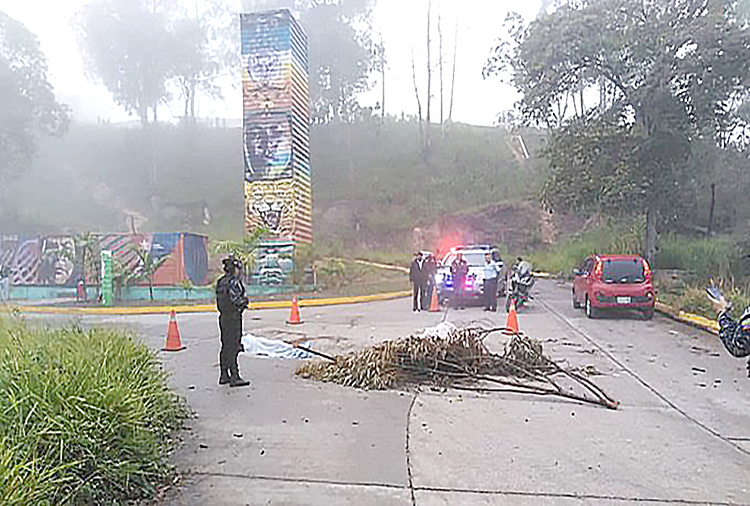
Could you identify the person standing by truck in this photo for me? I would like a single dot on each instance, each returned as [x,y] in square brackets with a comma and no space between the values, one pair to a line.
[459,271]
[491,275]
[429,268]
[417,278]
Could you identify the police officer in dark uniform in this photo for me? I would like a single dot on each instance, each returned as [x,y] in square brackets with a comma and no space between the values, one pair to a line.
[231,301]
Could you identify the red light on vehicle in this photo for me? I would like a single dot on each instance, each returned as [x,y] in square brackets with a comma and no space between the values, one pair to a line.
[598,269]
[646,270]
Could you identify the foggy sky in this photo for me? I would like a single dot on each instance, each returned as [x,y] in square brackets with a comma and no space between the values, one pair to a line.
[400,23]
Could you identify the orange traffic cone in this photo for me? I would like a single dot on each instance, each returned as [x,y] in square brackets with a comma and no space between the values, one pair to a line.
[511,323]
[294,318]
[173,335]
[434,303]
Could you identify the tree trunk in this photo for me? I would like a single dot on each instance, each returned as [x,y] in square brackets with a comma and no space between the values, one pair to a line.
[440,67]
[583,109]
[143,114]
[711,212]
[453,77]
[649,248]
[419,103]
[382,103]
[429,83]
[192,104]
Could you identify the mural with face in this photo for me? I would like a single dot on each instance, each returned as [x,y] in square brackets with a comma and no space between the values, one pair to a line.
[58,260]
[271,205]
[268,146]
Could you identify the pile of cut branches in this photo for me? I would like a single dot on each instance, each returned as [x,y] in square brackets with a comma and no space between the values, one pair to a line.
[462,361]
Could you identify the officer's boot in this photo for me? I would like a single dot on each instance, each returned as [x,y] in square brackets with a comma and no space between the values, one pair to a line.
[235,380]
[224,378]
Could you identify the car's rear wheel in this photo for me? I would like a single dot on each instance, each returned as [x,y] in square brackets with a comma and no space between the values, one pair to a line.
[591,311]
[576,304]
[648,313]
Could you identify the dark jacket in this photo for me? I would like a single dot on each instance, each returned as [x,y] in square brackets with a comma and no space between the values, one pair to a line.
[230,295]
[429,267]
[416,273]
[735,337]
[459,268]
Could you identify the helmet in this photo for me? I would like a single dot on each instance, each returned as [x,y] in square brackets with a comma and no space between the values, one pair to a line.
[231,264]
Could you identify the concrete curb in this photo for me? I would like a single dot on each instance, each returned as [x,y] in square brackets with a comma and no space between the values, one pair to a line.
[205,308]
[381,266]
[694,320]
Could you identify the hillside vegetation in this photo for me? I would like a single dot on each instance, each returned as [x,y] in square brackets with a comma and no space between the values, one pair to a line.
[372,184]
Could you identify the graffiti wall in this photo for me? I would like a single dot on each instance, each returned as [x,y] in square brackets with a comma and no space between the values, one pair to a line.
[276,131]
[57,260]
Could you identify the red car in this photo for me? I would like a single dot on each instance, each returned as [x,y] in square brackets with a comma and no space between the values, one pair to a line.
[614,282]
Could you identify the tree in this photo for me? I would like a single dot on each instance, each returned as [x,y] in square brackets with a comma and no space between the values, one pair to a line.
[244,250]
[340,54]
[674,71]
[204,47]
[87,246]
[193,67]
[29,107]
[147,267]
[126,45]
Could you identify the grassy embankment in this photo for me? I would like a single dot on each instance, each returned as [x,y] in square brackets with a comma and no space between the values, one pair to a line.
[686,264]
[86,417]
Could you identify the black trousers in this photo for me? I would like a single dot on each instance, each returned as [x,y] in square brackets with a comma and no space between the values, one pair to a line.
[419,290]
[231,334]
[459,287]
[427,294]
[490,294]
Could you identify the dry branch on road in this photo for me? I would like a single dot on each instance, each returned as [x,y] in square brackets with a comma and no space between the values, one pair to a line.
[458,360]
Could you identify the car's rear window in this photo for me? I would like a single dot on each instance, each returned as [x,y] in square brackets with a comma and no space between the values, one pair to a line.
[474,259]
[623,271]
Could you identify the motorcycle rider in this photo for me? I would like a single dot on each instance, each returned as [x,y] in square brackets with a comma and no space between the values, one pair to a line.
[519,283]
[231,301]
[491,274]
[735,335]
[459,271]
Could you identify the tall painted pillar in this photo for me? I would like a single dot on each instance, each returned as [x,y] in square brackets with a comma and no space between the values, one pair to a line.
[276,127]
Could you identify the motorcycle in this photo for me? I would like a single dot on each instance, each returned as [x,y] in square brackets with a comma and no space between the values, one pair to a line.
[519,285]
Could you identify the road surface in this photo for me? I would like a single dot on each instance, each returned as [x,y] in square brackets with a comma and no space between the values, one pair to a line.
[681,435]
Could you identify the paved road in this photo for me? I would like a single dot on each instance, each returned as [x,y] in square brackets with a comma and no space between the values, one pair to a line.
[681,436]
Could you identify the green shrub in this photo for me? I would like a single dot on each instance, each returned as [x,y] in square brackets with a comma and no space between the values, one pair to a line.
[85,417]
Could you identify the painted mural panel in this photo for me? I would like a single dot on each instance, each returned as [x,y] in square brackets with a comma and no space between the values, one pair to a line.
[55,259]
[276,130]
[271,204]
[268,145]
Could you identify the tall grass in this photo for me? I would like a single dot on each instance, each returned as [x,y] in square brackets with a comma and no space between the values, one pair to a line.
[565,256]
[705,258]
[85,416]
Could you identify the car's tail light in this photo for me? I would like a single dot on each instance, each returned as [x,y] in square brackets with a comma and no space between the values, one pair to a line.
[646,270]
[598,269]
